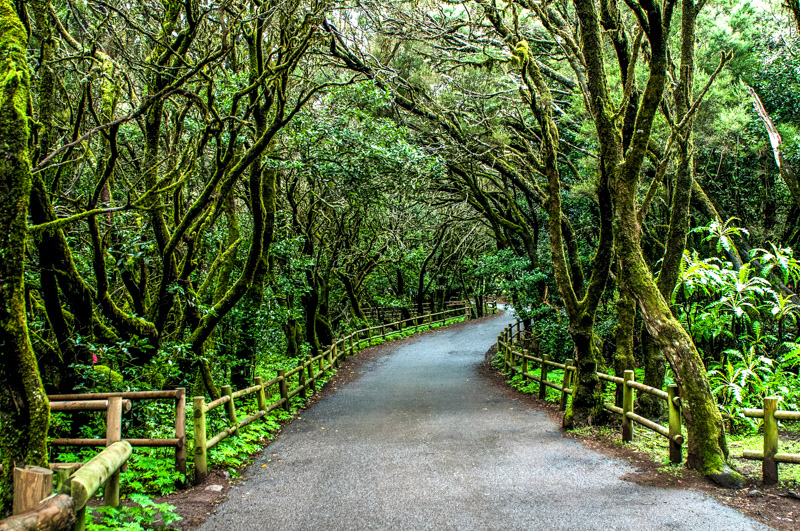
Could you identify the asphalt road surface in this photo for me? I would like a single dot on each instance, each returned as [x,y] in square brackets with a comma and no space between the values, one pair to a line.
[421,441]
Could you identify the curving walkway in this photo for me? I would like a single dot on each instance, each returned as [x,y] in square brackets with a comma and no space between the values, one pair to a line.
[421,441]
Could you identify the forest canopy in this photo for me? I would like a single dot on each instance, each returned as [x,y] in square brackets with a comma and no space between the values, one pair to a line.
[196,192]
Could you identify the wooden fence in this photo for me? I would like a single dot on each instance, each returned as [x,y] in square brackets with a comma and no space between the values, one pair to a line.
[770,456]
[76,402]
[36,507]
[297,381]
[518,361]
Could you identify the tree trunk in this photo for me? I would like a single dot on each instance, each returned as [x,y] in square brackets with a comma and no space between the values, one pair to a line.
[623,339]
[787,172]
[24,409]
[707,449]
[311,306]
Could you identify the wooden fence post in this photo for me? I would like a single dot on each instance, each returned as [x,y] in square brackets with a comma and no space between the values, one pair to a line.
[230,409]
[330,357]
[180,431]
[113,434]
[566,383]
[627,406]
[310,378]
[80,514]
[200,460]
[769,467]
[335,356]
[32,484]
[282,387]
[543,377]
[261,397]
[301,380]
[675,447]
[524,364]
[63,473]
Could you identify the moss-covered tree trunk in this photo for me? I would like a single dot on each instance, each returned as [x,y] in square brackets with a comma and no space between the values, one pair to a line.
[655,362]
[24,410]
[707,448]
[585,406]
[623,338]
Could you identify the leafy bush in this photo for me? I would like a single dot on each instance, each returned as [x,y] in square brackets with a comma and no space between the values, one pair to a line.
[144,515]
[743,324]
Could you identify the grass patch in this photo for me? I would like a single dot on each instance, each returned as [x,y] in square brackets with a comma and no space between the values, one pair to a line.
[788,442]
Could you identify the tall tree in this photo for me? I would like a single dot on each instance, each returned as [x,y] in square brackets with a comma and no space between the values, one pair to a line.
[24,410]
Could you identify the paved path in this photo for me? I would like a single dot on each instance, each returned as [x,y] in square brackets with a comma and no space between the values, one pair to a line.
[421,441]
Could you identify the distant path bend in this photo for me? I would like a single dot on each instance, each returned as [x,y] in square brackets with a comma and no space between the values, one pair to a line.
[421,441]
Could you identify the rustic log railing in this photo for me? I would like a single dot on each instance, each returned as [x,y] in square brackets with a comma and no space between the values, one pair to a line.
[67,509]
[769,455]
[300,380]
[393,312]
[94,401]
[102,469]
[518,361]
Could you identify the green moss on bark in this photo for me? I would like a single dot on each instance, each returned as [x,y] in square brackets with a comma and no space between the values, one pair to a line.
[24,410]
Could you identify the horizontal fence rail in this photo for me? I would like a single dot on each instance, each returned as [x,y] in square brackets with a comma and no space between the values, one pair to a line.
[519,361]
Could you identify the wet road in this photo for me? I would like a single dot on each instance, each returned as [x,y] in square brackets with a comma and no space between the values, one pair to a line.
[421,441]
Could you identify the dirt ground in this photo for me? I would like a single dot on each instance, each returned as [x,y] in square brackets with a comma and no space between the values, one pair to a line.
[196,503]
[775,506]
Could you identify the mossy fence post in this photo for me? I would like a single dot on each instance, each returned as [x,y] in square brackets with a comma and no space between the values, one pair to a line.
[566,383]
[200,459]
[627,406]
[261,397]
[32,484]
[675,446]
[282,387]
[180,431]
[113,434]
[506,351]
[769,467]
[524,364]
[230,409]
[301,380]
[543,377]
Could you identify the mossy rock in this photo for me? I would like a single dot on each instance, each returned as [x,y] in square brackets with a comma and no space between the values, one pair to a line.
[107,373]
